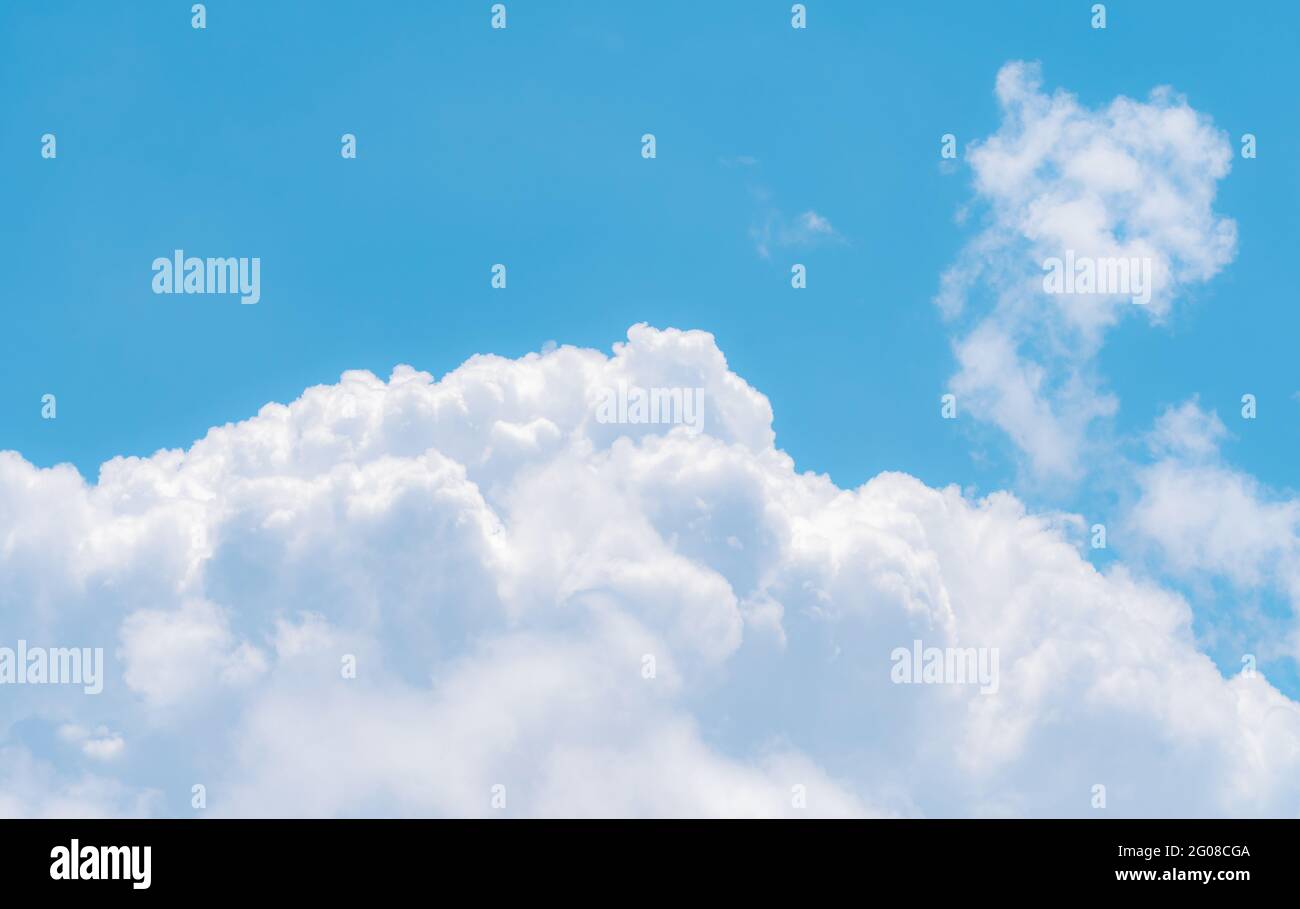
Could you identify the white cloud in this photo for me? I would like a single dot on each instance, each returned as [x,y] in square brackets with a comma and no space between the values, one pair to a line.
[500,565]
[1204,517]
[1187,431]
[99,744]
[774,231]
[810,224]
[1131,180]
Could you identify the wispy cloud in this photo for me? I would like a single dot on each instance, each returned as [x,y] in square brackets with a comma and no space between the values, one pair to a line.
[775,231]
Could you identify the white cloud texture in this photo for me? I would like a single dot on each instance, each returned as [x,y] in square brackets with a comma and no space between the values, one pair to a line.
[1132,180]
[505,571]
[1205,518]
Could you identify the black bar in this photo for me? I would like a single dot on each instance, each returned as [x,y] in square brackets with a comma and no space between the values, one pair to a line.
[656,859]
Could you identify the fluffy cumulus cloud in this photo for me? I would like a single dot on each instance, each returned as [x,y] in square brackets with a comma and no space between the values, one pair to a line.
[1124,194]
[553,615]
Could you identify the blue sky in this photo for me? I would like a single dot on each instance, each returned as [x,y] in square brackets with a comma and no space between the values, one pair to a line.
[522,146]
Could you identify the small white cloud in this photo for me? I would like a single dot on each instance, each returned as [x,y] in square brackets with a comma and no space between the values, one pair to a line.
[1187,431]
[774,231]
[98,744]
[811,224]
